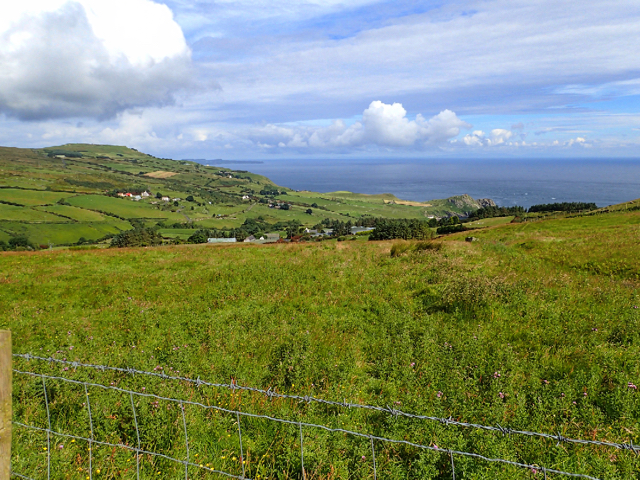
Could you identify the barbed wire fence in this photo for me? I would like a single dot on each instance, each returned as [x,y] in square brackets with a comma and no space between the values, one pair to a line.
[190,464]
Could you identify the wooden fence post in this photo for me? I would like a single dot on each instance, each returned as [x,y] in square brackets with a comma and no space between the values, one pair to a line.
[5,403]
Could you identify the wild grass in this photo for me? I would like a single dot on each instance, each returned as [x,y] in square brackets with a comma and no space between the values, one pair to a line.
[489,332]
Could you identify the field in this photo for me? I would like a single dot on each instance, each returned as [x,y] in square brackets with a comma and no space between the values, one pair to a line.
[123,207]
[12,212]
[532,327]
[30,197]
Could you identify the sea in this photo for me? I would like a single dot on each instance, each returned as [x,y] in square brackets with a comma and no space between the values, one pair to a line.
[508,182]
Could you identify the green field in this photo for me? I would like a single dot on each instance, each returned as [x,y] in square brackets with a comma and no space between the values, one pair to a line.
[123,207]
[534,327]
[24,214]
[74,213]
[30,197]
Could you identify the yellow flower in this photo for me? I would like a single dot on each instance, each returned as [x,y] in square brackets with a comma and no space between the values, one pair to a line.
[98,471]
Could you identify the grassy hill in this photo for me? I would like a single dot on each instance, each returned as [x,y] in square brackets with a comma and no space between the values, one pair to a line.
[535,327]
[58,195]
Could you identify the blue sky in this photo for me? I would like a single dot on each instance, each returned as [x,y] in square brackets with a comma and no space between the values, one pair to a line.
[324,78]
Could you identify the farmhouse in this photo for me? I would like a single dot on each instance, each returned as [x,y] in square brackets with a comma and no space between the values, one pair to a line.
[166,199]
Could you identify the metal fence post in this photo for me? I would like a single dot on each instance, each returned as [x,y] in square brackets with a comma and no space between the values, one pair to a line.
[5,403]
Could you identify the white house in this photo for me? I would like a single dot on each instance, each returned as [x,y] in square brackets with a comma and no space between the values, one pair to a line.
[144,194]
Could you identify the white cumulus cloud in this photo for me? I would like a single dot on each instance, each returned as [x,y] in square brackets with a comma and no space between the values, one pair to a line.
[382,124]
[90,58]
[478,138]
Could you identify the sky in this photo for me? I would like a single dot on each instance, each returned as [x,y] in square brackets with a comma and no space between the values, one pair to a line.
[254,79]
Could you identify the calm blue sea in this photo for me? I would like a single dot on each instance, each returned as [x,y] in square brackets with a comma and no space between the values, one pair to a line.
[522,182]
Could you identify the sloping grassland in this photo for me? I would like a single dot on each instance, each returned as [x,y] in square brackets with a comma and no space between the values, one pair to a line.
[534,327]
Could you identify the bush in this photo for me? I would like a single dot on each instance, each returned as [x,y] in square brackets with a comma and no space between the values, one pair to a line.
[451,229]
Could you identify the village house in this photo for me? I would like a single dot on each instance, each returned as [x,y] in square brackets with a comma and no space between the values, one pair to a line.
[166,199]
[144,194]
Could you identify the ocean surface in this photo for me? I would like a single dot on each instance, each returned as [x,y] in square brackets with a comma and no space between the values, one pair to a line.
[523,182]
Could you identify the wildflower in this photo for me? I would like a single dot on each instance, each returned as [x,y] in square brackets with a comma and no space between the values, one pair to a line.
[496,375]
[585,394]
[631,385]
[413,364]
[439,394]
[546,382]
[501,395]
[594,329]
[363,458]
[60,447]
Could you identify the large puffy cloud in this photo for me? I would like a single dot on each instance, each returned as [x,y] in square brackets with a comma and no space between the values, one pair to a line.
[90,58]
[382,124]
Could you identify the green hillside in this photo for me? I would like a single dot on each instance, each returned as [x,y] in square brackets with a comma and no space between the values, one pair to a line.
[60,195]
[534,327]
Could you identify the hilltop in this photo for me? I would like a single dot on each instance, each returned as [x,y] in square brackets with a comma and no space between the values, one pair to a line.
[65,194]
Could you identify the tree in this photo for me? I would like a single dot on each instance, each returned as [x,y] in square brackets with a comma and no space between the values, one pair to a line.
[190,199]
[308,211]
[158,195]
[314,205]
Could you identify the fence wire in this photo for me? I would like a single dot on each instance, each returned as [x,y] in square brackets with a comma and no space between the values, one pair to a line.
[181,403]
[269,393]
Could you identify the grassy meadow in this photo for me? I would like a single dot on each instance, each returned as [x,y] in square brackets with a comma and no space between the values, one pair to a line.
[534,327]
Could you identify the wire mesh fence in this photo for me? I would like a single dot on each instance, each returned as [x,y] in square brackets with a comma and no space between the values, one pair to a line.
[173,426]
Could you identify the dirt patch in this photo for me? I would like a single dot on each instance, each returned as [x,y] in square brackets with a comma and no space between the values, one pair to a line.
[410,204]
[160,174]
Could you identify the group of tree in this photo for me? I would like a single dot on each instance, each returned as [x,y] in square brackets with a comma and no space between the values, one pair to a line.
[19,242]
[490,212]
[563,207]
[272,191]
[407,229]
[138,237]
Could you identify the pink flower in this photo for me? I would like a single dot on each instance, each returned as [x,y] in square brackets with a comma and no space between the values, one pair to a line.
[501,395]
[413,364]
[439,394]
[363,458]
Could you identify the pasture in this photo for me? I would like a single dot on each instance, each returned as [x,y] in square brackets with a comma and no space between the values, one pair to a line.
[512,330]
